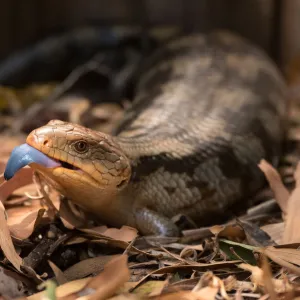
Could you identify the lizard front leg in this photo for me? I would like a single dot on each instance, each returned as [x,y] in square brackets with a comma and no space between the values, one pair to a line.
[149,222]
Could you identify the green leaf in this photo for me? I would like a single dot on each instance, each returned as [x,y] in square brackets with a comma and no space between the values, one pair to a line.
[236,250]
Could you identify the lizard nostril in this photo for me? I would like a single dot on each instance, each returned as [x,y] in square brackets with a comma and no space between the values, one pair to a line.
[45,143]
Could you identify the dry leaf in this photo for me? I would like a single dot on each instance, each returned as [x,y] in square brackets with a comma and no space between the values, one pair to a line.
[206,293]
[181,267]
[114,275]
[21,178]
[2,166]
[59,275]
[275,231]
[23,228]
[102,286]
[207,289]
[280,192]
[64,290]
[209,280]
[125,233]
[258,278]
[6,241]
[267,277]
[285,257]
[292,223]
[87,267]
[231,231]
[151,288]
[122,245]
[70,216]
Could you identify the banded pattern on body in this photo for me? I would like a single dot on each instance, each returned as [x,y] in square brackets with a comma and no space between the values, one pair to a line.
[207,109]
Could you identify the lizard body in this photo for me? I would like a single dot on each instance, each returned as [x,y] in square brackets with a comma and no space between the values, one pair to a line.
[207,109]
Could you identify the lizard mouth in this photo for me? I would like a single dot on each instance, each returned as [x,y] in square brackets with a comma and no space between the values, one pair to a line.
[68,166]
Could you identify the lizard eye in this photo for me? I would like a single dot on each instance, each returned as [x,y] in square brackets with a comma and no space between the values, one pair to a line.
[81,146]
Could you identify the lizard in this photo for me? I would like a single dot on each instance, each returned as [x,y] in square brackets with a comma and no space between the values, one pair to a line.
[207,108]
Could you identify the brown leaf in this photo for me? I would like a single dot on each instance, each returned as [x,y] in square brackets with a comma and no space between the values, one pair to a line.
[267,277]
[125,233]
[151,288]
[21,178]
[6,241]
[285,257]
[275,231]
[2,166]
[122,245]
[102,286]
[71,217]
[23,228]
[231,231]
[87,267]
[114,275]
[280,192]
[206,289]
[209,280]
[258,278]
[64,290]
[292,222]
[180,267]
[191,252]
[59,275]
[255,235]
[207,293]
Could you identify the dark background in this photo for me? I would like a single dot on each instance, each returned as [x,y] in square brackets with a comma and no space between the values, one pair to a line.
[272,24]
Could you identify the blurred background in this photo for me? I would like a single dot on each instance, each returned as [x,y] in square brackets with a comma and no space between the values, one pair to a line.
[273,24]
[89,50]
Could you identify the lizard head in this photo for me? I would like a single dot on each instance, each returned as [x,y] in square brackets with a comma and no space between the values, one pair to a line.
[91,165]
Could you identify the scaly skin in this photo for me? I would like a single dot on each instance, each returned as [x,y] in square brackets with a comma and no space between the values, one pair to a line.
[207,109]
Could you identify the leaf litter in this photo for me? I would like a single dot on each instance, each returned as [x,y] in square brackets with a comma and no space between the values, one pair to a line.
[52,250]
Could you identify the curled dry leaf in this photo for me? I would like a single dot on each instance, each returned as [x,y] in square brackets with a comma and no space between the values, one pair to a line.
[258,278]
[280,192]
[208,279]
[232,232]
[181,267]
[207,289]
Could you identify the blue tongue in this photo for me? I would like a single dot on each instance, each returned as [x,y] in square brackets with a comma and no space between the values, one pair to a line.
[24,155]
